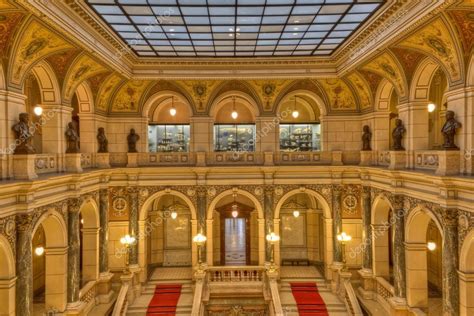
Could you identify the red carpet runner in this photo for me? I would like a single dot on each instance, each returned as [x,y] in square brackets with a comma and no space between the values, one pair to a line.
[308,299]
[165,300]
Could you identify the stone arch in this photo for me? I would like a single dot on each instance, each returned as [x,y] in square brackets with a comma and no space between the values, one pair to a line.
[327,226]
[90,240]
[85,98]
[381,239]
[306,88]
[145,228]
[56,246]
[466,275]
[422,77]
[260,221]
[48,83]
[160,96]
[217,104]
[165,88]
[470,72]
[416,227]
[237,88]
[7,277]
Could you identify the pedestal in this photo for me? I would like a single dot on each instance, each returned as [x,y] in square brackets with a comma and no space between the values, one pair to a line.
[75,308]
[398,306]
[103,160]
[268,158]
[201,159]
[337,158]
[132,160]
[398,160]
[24,167]
[449,163]
[344,276]
[366,158]
[104,288]
[335,268]
[73,163]
[367,290]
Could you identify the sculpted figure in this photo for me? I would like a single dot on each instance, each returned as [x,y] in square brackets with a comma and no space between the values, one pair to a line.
[366,138]
[397,135]
[449,130]
[23,136]
[103,142]
[132,140]
[72,138]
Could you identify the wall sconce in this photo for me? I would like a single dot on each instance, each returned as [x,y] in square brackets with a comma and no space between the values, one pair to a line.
[431,245]
[344,238]
[431,107]
[127,241]
[173,109]
[272,239]
[38,110]
[199,240]
[39,251]
[296,214]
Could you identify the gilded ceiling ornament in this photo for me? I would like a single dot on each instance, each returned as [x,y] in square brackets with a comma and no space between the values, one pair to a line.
[105,92]
[128,97]
[8,26]
[362,89]
[339,95]
[386,66]
[464,21]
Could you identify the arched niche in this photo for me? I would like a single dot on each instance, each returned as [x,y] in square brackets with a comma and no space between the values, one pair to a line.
[319,214]
[90,227]
[417,226]
[56,244]
[256,224]
[7,277]
[159,111]
[48,83]
[223,106]
[382,239]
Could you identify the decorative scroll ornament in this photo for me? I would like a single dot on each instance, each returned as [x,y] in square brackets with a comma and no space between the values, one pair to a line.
[350,204]
[119,205]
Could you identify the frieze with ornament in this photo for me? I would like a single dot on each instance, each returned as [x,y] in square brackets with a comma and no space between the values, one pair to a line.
[118,199]
[350,201]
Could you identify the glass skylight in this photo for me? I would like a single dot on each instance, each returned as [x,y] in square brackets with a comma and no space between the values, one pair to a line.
[234,28]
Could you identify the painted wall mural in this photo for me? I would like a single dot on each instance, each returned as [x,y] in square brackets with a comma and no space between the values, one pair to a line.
[435,40]
[8,25]
[339,95]
[386,66]
[61,62]
[464,21]
[129,95]
[409,60]
[105,92]
[84,67]
[362,89]
[36,43]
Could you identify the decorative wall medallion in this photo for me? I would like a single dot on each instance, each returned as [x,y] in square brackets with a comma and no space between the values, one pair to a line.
[191,192]
[211,191]
[258,191]
[120,206]
[463,221]
[278,191]
[406,205]
[144,193]
[9,228]
[350,204]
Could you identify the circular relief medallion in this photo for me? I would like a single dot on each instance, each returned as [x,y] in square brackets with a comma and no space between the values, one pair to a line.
[350,204]
[191,192]
[211,191]
[406,205]
[258,191]
[463,221]
[278,191]
[9,228]
[119,205]
[144,192]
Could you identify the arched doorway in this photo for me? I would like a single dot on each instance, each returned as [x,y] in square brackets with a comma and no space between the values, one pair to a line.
[245,230]
[466,275]
[423,249]
[89,235]
[7,278]
[382,238]
[50,244]
[307,236]
[167,223]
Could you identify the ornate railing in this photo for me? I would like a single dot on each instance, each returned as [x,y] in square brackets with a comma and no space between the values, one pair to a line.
[384,291]
[304,157]
[236,274]
[201,278]
[88,295]
[47,163]
[350,299]
[272,285]
[121,304]
[234,158]
[166,159]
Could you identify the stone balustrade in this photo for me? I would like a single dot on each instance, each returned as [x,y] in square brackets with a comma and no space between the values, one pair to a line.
[236,274]
[47,163]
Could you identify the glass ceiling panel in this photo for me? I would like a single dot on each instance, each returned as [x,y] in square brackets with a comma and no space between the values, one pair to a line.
[234,28]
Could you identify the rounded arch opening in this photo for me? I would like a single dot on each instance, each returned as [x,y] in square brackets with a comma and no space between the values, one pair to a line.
[382,244]
[7,277]
[89,246]
[245,106]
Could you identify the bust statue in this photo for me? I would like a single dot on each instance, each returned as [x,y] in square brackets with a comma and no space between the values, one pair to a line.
[103,142]
[366,138]
[449,131]
[23,136]
[132,140]
[72,138]
[397,135]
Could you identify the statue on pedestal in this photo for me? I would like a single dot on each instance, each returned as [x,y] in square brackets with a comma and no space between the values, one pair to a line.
[397,135]
[103,142]
[132,140]
[72,138]
[366,138]
[23,136]
[449,131]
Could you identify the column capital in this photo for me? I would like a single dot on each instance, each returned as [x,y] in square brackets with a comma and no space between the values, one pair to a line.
[449,217]
[74,204]
[397,201]
[24,222]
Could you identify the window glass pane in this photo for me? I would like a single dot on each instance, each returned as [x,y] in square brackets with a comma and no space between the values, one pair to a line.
[237,137]
[300,137]
[168,138]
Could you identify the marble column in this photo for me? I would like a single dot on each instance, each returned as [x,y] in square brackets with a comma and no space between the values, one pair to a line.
[24,265]
[73,253]
[366,229]
[201,216]
[398,256]
[133,224]
[104,231]
[337,221]
[268,208]
[450,262]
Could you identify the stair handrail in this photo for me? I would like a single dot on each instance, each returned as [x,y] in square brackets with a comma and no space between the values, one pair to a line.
[272,283]
[349,297]
[200,277]
[121,303]
[127,293]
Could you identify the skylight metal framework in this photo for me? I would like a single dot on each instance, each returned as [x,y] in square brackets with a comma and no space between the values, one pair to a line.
[234,28]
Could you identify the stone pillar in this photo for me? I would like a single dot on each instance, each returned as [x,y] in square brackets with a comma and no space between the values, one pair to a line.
[337,221]
[267,134]
[399,272]
[133,225]
[268,209]
[55,118]
[73,253]
[24,265]
[366,229]
[104,231]
[450,263]
[201,215]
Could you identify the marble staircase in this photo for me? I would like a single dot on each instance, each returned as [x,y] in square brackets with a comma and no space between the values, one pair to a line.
[334,305]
